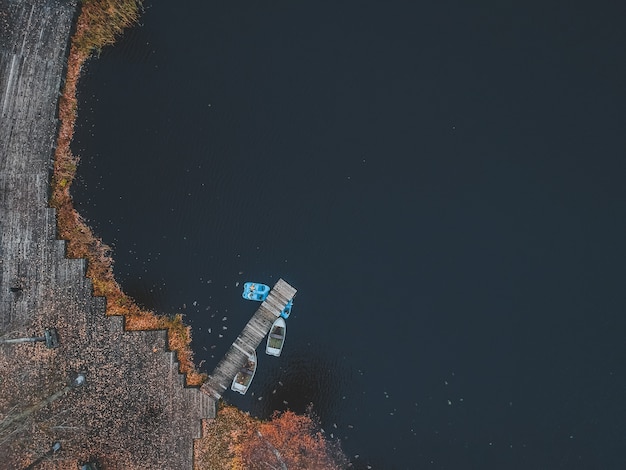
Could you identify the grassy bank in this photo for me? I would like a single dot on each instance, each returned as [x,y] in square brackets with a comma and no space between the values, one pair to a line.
[99,23]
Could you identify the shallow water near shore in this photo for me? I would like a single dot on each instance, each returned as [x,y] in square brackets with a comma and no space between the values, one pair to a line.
[442,184]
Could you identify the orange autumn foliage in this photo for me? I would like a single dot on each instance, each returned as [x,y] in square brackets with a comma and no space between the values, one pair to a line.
[234,440]
[291,441]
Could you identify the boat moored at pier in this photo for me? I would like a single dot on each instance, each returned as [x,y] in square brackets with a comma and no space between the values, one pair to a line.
[287,310]
[255,291]
[244,377]
[276,337]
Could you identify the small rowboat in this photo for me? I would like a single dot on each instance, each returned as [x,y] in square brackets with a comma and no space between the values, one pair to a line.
[244,377]
[276,338]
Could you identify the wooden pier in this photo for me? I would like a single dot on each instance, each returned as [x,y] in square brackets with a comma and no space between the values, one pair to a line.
[249,339]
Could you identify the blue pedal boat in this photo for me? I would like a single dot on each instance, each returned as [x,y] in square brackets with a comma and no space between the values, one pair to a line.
[255,291]
[287,310]
[276,337]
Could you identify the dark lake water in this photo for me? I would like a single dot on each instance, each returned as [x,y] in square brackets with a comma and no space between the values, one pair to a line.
[443,184]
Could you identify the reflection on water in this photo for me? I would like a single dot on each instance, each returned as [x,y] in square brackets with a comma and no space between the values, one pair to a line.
[300,380]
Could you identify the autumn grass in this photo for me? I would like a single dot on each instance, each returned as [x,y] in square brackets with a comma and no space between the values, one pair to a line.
[99,23]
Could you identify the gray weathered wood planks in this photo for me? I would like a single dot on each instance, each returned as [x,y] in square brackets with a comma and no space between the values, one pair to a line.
[249,339]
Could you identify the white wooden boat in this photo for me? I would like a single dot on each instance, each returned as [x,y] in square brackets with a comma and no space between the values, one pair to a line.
[276,338]
[244,377]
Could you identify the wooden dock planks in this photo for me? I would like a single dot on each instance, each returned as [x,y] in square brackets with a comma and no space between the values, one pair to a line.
[249,339]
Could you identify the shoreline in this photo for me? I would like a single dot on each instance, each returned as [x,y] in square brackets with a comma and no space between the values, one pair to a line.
[89,37]
[130,408]
[233,438]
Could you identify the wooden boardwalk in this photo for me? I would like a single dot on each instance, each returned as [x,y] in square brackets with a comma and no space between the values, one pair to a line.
[249,339]
[134,411]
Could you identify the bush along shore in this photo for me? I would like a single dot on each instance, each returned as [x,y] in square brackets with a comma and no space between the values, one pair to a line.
[234,440]
[98,24]
[237,441]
